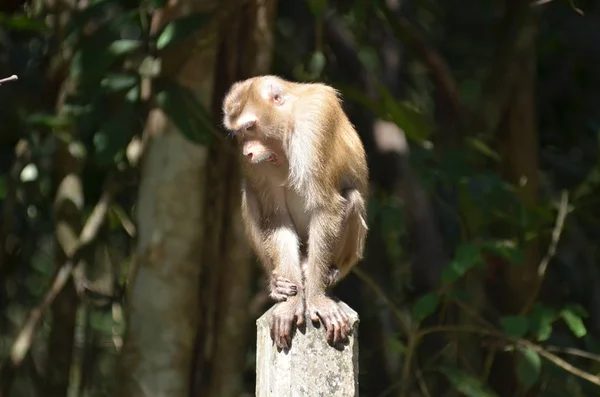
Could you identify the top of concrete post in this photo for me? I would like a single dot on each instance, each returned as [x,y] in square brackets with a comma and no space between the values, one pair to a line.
[311,367]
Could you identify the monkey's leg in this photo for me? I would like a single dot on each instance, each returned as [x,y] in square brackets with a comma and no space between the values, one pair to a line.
[324,232]
[350,247]
[284,245]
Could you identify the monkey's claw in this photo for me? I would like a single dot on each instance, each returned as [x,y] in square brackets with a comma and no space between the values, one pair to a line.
[282,288]
[333,318]
[284,316]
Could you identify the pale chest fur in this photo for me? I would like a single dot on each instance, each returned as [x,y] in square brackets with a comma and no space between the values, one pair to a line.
[295,204]
[280,197]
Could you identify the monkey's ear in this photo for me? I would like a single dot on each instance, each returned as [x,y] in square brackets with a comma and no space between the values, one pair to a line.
[276,93]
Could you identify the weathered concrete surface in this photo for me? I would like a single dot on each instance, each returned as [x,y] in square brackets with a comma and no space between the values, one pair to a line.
[311,368]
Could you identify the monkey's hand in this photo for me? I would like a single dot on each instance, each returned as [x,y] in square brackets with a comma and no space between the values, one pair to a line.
[332,316]
[281,288]
[284,316]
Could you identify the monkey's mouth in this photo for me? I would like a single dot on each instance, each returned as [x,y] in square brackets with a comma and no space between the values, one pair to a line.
[271,158]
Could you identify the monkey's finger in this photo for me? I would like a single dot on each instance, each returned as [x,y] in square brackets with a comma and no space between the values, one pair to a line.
[277,297]
[314,316]
[279,339]
[286,332]
[272,330]
[300,319]
[345,323]
[338,330]
[339,327]
[286,290]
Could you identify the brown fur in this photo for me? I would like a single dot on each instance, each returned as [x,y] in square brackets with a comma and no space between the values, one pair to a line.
[303,195]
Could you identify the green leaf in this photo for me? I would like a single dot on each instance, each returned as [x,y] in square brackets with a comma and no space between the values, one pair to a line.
[515,326]
[91,61]
[119,82]
[574,322]
[113,136]
[22,22]
[466,384]
[317,63]
[483,148]
[123,47]
[317,7]
[541,319]
[180,28]
[48,120]
[156,4]
[396,345]
[528,367]
[188,115]
[81,18]
[505,249]
[467,256]
[425,306]
[414,125]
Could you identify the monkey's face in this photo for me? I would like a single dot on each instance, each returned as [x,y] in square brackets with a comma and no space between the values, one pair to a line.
[257,112]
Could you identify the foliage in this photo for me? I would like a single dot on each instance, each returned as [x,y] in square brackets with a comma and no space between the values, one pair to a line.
[84,95]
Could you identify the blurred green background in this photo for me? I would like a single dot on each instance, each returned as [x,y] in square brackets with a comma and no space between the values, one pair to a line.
[123,267]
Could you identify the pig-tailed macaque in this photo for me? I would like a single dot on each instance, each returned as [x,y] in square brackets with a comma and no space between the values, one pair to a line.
[303,196]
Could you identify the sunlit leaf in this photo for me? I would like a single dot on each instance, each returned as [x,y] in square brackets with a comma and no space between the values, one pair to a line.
[317,63]
[122,47]
[425,306]
[181,28]
[574,322]
[466,384]
[515,326]
[528,367]
[29,173]
[190,117]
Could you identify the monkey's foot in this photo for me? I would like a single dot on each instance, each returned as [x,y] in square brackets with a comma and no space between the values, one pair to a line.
[283,318]
[281,288]
[332,316]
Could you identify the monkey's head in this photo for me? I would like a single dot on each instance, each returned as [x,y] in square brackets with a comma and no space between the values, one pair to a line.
[258,112]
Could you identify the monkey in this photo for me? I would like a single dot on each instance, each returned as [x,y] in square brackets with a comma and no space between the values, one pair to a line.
[303,196]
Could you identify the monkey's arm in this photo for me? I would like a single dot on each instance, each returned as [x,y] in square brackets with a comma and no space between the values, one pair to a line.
[273,247]
[251,217]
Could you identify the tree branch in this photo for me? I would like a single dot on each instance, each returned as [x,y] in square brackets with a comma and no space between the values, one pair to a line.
[8,79]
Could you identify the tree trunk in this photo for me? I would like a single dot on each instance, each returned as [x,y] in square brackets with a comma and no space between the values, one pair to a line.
[163,311]
[517,136]
[245,50]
